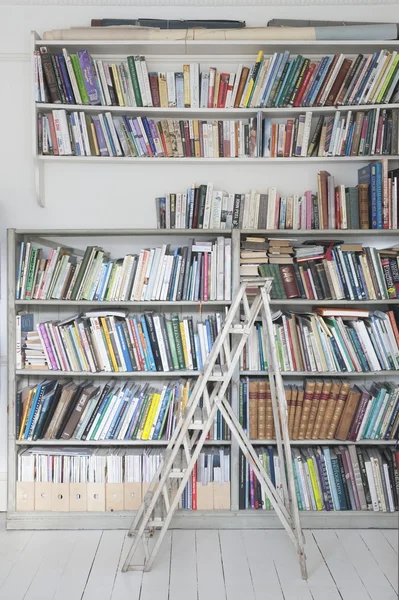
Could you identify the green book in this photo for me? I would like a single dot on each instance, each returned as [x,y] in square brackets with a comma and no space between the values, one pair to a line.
[79,78]
[172,345]
[135,80]
[104,412]
[178,341]
[290,74]
[82,272]
[145,407]
[293,79]
[33,261]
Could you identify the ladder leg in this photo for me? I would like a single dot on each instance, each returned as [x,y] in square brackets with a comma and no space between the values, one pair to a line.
[284,427]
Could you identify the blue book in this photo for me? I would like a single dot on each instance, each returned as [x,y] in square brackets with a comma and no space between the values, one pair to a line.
[108,134]
[283,212]
[365,176]
[261,356]
[364,83]
[208,334]
[102,146]
[111,427]
[99,287]
[125,351]
[299,490]
[102,410]
[377,173]
[148,344]
[267,134]
[292,62]
[198,352]
[122,414]
[268,87]
[333,488]
[375,409]
[284,59]
[198,277]
[33,410]
[319,82]
[159,427]
[271,462]
[76,125]
[348,145]
[174,274]
[136,412]
[179,83]
[149,135]
[65,78]
[338,481]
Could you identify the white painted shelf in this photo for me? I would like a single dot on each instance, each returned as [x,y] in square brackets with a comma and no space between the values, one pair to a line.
[123,303]
[139,443]
[339,374]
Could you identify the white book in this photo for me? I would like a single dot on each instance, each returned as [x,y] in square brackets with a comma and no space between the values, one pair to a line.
[246,211]
[208,206]
[42,89]
[368,91]
[62,115]
[171,87]
[103,82]
[194,85]
[178,211]
[230,90]
[153,274]
[167,276]
[183,211]
[211,146]
[306,133]
[72,77]
[162,274]
[105,134]
[115,138]
[118,344]
[158,278]
[331,80]
[204,90]
[220,269]
[252,208]
[227,269]
[376,121]
[386,64]
[271,209]
[141,70]
[112,408]
[190,365]
[77,133]
[330,151]
[370,352]
[216,210]
[235,88]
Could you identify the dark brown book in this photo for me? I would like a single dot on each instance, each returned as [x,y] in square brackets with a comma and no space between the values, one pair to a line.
[348,414]
[262,410]
[348,79]
[357,133]
[323,175]
[339,407]
[241,85]
[153,78]
[338,82]
[314,408]
[363,190]
[85,396]
[325,394]
[289,281]
[291,413]
[253,410]
[307,403]
[330,408]
[269,414]
[50,76]
[288,399]
[61,409]
[298,413]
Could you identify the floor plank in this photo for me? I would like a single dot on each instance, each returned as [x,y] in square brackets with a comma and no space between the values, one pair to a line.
[383,553]
[236,571]
[127,586]
[320,581]
[28,562]
[155,585]
[102,575]
[346,578]
[12,543]
[45,581]
[287,565]
[392,536]
[265,581]
[366,567]
[72,582]
[209,566]
[183,567]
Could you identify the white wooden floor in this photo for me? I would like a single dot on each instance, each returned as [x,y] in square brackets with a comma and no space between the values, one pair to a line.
[199,565]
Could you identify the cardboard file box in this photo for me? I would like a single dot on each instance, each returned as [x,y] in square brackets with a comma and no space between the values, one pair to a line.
[96,497]
[132,496]
[114,496]
[204,496]
[78,497]
[43,496]
[60,497]
[144,488]
[25,496]
[221,496]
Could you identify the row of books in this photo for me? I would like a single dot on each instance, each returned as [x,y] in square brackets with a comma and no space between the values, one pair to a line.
[329,340]
[89,479]
[333,272]
[372,204]
[79,134]
[60,409]
[113,341]
[323,410]
[278,80]
[201,270]
[328,478]
[356,134]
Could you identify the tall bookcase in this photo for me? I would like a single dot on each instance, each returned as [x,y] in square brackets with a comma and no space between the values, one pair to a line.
[174,54]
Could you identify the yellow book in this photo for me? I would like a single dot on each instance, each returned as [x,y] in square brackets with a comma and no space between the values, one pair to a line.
[186,395]
[150,417]
[186,80]
[26,412]
[388,77]
[118,86]
[253,77]
[380,78]
[216,92]
[184,343]
[94,136]
[197,144]
[163,90]
[315,486]
[80,349]
[109,345]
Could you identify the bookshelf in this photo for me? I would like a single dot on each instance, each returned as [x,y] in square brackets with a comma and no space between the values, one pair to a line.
[173,53]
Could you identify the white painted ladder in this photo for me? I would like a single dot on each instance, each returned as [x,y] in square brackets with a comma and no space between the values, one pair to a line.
[162,497]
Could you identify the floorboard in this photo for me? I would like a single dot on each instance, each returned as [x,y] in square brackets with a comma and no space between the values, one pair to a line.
[236,571]
[345,576]
[392,536]
[209,566]
[263,572]
[287,565]
[127,586]
[183,567]
[156,587]
[73,580]
[103,573]
[12,543]
[320,580]
[383,553]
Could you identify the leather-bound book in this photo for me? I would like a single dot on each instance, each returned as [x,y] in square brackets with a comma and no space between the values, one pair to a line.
[86,395]
[307,404]
[363,190]
[253,410]
[269,414]
[241,85]
[339,407]
[330,408]
[314,408]
[348,414]
[291,413]
[289,281]
[298,412]
[325,394]
[262,410]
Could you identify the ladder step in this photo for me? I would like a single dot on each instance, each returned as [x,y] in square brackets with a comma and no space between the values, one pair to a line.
[176,474]
[238,329]
[196,426]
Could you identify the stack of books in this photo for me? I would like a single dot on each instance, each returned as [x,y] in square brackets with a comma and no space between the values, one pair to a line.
[253,256]
[372,204]
[336,478]
[278,80]
[115,411]
[114,341]
[63,133]
[323,410]
[374,132]
[199,271]
[333,340]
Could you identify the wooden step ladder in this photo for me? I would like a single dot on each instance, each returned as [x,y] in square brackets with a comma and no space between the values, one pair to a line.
[168,483]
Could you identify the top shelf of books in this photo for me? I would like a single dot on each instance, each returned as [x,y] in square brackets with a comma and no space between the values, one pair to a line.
[219,47]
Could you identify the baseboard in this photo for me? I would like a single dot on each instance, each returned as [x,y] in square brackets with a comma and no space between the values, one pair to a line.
[3,491]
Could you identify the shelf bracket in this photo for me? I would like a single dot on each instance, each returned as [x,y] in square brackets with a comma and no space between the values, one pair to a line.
[39,183]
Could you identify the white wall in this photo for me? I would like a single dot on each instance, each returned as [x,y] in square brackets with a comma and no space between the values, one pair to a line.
[117,196]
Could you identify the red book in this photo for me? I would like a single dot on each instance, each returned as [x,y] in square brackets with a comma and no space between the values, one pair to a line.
[194,488]
[288,137]
[224,84]
[308,284]
[153,77]
[305,84]
[206,285]
[332,96]
[52,133]
[289,281]
[337,208]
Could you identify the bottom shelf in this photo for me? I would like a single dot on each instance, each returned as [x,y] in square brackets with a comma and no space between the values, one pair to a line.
[248,519]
